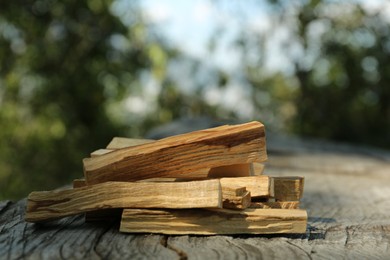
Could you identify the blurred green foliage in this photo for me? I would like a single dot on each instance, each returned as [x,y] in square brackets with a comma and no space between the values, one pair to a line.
[55,59]
[68,68]
[345,95]
[338,88]
[64,68]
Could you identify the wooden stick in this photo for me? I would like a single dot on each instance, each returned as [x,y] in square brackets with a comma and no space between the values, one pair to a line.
[119,143]
[275,205]
[235,170]
[213,222]
[100,152]
[259,186]
[288,188]
[174,156]
[48,205]
[122,142]
[233,196]
[101,214]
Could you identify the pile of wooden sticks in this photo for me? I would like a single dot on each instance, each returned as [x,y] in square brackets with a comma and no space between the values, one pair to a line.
[204,182]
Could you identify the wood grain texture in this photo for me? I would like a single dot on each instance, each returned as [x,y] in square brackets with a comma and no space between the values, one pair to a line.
[243,169]
[288,188]
[275,205]
[344,222]
[259,186]
[47,205]
[241,201]
[233,197]
[172,156]
[210,222]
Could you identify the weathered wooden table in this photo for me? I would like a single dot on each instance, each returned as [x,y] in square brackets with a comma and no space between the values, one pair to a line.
[347,195]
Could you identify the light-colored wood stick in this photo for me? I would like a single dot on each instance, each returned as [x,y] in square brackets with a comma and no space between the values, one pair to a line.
[259,186]
[101,214]
[122,142]
[243,169]
[275,205]
[119,143]
[172,156]
[212,222]
[100,152]
[288,188]
[46,205]
[233,196]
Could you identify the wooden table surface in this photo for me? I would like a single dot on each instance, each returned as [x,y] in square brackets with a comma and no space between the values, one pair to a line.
[347,196]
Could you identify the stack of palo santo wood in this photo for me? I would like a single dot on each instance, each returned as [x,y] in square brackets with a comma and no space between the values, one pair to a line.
[204,182]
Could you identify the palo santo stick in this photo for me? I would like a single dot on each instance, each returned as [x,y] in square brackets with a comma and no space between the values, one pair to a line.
[100,152]
[275,205]
[243,169]
[233,196]
[212,222]
[176,155]
[288,188]
[122,142]
[119,143]
[259,186]
[101,214]
[46,205]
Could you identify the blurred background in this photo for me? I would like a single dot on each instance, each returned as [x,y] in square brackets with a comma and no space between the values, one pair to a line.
[74,74]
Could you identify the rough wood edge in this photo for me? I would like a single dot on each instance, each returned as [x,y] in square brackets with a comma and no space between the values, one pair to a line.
[242,201]
[288,188]
[259,186]
[275,205]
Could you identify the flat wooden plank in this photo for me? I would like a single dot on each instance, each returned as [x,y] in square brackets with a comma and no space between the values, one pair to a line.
[289,188]
[259,186]
[225,145]
[211,222]
[47,205]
